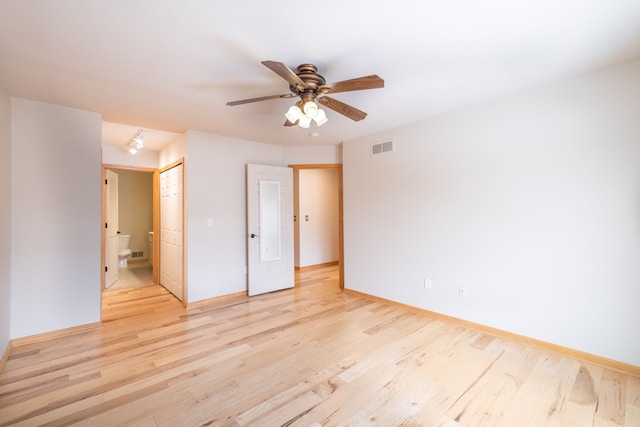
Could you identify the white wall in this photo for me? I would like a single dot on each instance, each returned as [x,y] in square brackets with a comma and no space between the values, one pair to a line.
[319,200]
[5,220]
[175,151]
[217,190]
[56,205]
[112,155]
[532,202]
[313,155]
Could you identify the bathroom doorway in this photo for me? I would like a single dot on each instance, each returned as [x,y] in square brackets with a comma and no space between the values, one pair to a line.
[129,216]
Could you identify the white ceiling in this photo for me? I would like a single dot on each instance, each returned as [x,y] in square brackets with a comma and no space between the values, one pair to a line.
[172,65]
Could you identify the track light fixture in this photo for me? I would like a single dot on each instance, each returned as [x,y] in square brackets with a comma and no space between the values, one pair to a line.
[136,143]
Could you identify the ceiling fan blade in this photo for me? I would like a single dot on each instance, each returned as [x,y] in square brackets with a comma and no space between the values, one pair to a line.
[342,108]
[262,98]
[288,123]
[286,73]
[360,83]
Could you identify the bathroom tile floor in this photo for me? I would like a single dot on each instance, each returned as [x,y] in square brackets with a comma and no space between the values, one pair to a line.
[134,276]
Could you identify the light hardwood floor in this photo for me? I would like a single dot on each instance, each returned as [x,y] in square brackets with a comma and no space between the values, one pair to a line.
[311,356]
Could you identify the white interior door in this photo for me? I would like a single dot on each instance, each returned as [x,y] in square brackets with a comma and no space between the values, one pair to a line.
[270,228]
[111,244]
[171,235]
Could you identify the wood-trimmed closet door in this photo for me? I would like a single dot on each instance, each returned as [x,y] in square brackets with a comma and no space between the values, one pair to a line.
[171,231]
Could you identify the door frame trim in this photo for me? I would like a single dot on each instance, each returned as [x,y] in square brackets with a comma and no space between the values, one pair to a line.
[103,260]
[296,168]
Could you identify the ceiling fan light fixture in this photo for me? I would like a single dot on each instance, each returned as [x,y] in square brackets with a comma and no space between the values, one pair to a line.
[310,87]
[321,117]
[293,114]
[310,109]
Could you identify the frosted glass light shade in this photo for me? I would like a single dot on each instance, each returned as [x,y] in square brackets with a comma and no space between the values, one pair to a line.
[310,109]
[304,121]
[293,114]
[320,118]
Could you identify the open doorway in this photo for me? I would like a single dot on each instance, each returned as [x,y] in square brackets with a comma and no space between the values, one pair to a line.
[129,224]
[318,226]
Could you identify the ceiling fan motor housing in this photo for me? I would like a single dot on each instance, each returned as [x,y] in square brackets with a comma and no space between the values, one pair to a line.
[308,74]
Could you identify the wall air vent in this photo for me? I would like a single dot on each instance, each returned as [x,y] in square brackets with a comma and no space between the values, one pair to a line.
[382,147]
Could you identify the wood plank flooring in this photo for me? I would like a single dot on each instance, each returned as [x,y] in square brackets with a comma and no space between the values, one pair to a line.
[310,356]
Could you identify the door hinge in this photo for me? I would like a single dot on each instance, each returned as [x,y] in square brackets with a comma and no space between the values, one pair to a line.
[106,225]
[105,182]
[106,268]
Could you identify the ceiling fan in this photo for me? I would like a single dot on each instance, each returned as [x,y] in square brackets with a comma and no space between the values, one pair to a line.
[312,89]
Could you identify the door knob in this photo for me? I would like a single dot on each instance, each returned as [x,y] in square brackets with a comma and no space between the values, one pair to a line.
[252,235]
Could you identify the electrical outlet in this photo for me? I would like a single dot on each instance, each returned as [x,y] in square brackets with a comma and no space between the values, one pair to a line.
[462,291]
[427,283]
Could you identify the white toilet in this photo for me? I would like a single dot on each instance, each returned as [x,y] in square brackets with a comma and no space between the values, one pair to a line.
[123,249]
